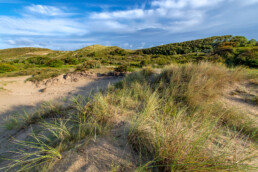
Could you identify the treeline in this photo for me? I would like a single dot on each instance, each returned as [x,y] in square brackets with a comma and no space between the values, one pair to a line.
[232,50]
[200,45]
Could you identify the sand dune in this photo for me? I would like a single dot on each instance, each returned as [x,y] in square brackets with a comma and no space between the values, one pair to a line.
[16,94]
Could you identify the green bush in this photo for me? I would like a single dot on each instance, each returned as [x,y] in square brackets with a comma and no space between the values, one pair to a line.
[55,63]
[71,61]
[38,60]
[145,62]
[122,68]
[4,67]
[118,51]
[161,61]
[92,64]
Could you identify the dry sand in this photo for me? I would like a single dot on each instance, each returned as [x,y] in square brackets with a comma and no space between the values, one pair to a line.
[16,94]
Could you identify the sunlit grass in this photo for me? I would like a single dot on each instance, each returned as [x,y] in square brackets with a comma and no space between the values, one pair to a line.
[174,120]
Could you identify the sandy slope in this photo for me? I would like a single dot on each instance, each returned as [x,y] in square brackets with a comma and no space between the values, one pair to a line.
[16,94]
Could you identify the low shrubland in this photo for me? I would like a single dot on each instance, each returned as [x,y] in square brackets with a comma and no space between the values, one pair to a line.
[175,119]
[230,50]
[91,64]
[4,67]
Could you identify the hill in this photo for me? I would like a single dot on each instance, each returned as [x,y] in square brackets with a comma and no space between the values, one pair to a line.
[230,50]
[169,109]
[100,51]
[23,52]
[201,45]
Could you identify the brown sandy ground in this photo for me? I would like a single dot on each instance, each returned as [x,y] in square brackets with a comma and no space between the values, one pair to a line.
[243,97]
[17,95]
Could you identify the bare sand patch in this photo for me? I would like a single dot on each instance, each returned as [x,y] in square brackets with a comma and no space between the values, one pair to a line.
[16,94]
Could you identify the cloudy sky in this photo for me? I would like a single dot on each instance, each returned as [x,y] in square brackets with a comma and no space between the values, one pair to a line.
[131,24]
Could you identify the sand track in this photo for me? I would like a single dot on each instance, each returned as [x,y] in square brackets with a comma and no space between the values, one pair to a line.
[17,95]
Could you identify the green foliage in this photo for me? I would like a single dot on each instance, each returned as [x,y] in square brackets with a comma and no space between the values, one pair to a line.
[252,42]
[216,49]
[55,63]
[231,50]
[201,45]
[4,67]
[172,119]
[38,60]
[118,51]
[145,62]
[22,52]
[91,64]
[122,68]
[71,61]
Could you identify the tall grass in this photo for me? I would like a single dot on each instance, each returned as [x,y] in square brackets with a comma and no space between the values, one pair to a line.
[24,119]
[32,154]
[175,120]
[58,130]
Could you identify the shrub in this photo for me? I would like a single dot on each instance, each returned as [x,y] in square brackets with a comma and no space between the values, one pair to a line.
[92,64]
[122,68]
[118,51]
[161,61]
[4,67]
[38,60]
[145,62]
[55,63]
[71,61]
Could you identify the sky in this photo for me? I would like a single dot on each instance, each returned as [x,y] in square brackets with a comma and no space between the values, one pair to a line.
[130,24]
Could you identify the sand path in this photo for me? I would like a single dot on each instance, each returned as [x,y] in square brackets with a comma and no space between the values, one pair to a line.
[16,94]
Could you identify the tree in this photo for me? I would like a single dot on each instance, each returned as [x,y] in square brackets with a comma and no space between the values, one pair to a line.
[252,42]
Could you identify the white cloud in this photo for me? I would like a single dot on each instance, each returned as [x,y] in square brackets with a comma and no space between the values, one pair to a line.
[129,14]
[170,15]
[36,26]
[179,4]
[45,10]
[11,42]
[133,26]
[174,12]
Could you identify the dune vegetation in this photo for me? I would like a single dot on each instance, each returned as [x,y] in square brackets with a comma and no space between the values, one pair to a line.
[174,120]
[230,50]
[169,109]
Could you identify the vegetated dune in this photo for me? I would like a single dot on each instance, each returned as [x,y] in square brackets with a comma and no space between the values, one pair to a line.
[176,120]
[228,49]
[21,52]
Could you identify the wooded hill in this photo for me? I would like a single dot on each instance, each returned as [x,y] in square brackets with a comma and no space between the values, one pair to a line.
[231,50]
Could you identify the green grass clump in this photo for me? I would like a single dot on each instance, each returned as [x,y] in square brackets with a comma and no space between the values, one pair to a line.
[40,153]
[59,129]
[24,120]
[174,120]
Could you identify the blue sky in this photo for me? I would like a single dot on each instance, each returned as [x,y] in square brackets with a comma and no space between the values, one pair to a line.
[131,24]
